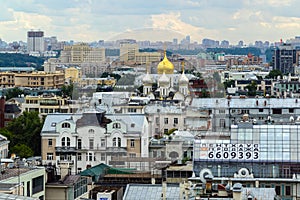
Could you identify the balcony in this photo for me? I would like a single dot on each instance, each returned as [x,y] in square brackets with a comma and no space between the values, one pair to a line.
[65,149]
[95,148]
[113,151]
[65,162]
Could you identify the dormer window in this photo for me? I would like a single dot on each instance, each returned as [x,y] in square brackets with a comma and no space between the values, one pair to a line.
[116,125]
[53,124]
[91,131]
[65,125]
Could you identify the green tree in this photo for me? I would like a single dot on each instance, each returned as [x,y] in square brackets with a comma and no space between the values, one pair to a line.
[21,60]
[204,93]
[274,73]
[106,74]
[67,90]
[22,150]
[197,74]
[229,83]
[13,92]
[252,87]
[25,130]
[171,131]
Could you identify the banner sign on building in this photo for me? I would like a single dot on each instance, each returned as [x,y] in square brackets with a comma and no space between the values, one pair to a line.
[243,152]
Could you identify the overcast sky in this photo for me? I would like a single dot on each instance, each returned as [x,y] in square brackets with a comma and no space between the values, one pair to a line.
[93,20]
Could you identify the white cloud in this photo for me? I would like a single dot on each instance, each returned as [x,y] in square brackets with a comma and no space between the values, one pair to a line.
[91,20]
[173,22]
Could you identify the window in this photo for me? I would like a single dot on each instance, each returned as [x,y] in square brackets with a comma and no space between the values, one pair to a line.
[68,141]
[115,140]
[90,156]
[79,156]
[49,156]
[132,143]
[49,142]
[222,123]
[166,131]
[154,154]
[166,120]
[222,111]
[291,110]
[102,157]
[79,169]
[277,190]
[287,190]
[91,143]
[261,110]
[28,188]
[277,111]
[175,120]
[65,125]
[37,184]
[157,120]
[65,141]
[65,157]
[132,155]
[116,125]
[91,131]
[119,142]
[245,111]
[79,144]
[102,142]
[132,110]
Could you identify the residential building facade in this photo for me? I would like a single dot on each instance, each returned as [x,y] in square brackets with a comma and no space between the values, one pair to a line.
[75,142]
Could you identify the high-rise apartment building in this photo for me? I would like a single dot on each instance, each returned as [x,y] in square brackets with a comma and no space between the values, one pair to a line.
[35,41]
[284,58]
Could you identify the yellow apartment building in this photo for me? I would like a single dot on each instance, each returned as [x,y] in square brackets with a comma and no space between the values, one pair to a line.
[40,79]
[73,74]
[45,104]
[7,79]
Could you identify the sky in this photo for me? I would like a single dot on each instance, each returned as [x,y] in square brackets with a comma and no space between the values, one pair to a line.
[154,20]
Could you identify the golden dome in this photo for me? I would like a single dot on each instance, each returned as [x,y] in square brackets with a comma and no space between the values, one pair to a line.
[165,66]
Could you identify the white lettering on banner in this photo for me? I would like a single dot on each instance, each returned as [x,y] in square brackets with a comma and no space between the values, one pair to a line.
[245,152]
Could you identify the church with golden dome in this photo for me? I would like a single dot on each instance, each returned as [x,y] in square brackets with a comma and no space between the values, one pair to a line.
[165,66]
[170,86]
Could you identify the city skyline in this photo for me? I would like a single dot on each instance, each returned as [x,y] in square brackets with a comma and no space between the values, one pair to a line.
[89,20]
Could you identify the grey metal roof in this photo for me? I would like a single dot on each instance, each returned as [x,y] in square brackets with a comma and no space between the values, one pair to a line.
[259,193]
[160,108]
[15,197]
[17,69]
[137,119]
[54,118]
[150,192]
[245,103]
[18,99]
